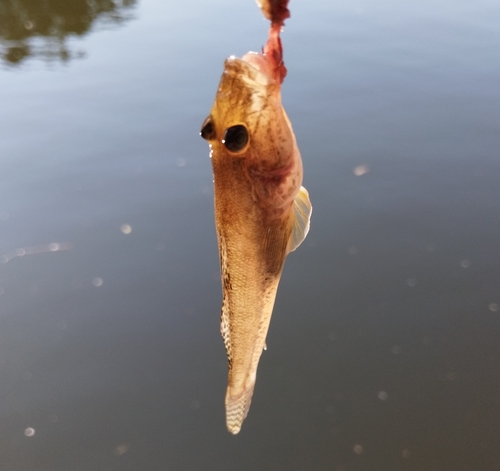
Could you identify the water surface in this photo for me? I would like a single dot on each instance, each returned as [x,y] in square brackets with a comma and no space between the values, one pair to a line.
[383,351]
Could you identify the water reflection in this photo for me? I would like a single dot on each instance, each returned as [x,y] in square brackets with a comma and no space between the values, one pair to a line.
[41,29]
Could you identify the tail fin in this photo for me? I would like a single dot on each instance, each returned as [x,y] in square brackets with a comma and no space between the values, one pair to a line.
[237,408]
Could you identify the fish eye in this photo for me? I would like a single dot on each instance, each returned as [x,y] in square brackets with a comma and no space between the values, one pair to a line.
[235,138]
[208,129]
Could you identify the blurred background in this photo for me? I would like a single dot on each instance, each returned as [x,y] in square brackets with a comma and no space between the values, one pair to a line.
[383,352]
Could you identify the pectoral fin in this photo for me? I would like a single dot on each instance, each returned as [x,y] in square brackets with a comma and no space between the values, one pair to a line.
[302,208]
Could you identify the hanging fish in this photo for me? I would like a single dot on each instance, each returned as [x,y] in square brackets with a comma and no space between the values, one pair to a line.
[261,210]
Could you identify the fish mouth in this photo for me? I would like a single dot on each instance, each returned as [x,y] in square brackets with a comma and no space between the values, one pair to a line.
[253,68]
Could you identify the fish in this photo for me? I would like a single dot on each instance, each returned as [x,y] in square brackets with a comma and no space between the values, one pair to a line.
[262,211]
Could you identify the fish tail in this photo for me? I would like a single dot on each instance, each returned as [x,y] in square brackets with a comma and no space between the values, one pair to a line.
[237,406]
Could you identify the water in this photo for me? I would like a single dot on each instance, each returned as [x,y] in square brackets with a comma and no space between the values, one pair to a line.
[383,351]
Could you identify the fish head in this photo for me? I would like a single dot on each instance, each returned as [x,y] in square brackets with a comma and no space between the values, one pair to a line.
[247,120]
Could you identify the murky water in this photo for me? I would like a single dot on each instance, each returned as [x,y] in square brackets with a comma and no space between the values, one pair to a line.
[383,352]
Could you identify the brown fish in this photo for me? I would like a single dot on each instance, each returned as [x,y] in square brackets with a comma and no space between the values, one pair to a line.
[261,210]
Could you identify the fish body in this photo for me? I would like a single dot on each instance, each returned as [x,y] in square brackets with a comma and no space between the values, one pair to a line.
[261,212]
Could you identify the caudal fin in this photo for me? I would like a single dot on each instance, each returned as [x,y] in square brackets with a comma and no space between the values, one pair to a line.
[237,408]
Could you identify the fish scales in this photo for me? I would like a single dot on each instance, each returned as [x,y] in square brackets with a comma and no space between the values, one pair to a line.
[261,210]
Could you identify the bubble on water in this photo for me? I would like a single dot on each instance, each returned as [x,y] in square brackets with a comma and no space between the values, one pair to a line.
[361,170]
[61,325]
[465,263]
[20,252]
[382,395]
[494,307]
[195,405]
[29,432]
[97,282]
[180,162]
[396,350]
[121,449]
[358,449]
[28,25]
[206,190]
[126,228]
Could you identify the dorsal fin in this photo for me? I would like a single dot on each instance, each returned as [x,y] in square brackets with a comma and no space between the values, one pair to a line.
[226,287]
[302,208]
